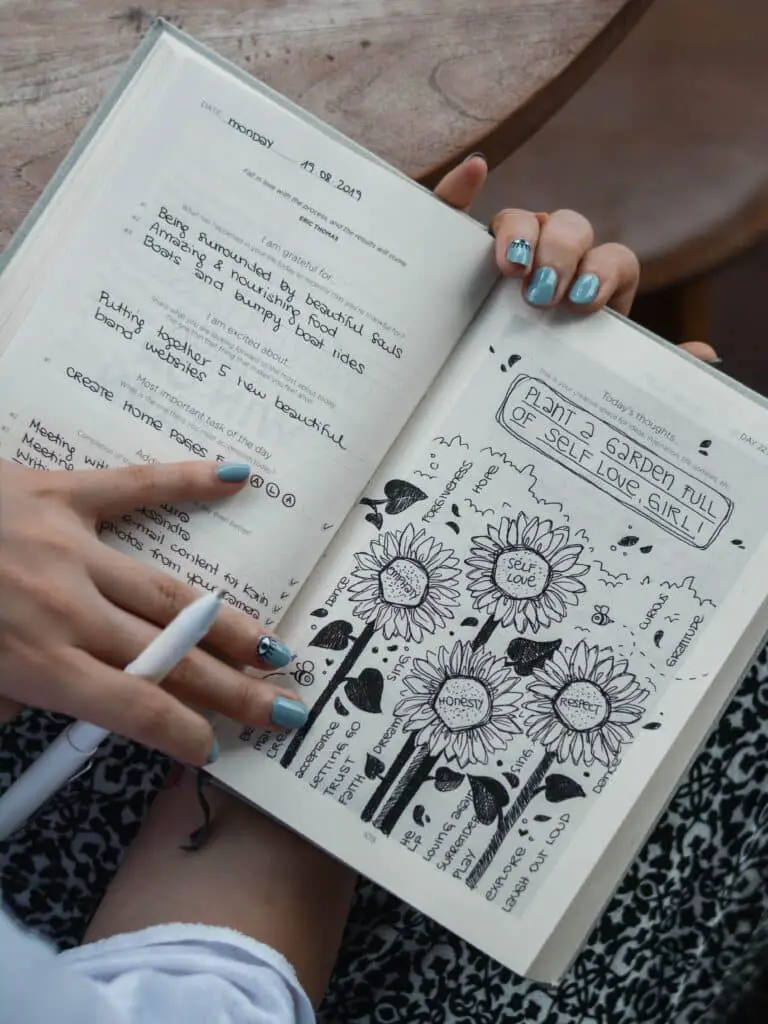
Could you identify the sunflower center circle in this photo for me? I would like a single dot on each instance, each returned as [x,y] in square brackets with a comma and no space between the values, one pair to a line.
[462,703]
[521,573]
[582,705]
[403,582]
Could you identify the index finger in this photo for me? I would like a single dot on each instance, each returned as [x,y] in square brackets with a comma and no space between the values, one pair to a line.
[107,492]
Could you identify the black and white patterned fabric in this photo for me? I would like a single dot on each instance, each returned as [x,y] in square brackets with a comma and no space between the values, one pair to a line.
[679,944]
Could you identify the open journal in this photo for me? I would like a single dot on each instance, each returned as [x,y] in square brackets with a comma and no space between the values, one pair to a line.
[522,556]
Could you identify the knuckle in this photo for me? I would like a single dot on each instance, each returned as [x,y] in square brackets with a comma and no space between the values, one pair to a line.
[622,260]
[169,596]
[510,220]
[245,705]
[576,223]
[151,714]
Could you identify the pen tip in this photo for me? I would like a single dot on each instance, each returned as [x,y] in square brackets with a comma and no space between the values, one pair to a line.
[220,594]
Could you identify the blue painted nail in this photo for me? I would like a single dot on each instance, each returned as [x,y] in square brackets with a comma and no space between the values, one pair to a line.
[584,289]
[233,472]
[288,714]
[273,652]
[520,252]
[214,754]
[543,286]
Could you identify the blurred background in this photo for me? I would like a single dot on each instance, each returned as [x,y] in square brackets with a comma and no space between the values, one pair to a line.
[666,149]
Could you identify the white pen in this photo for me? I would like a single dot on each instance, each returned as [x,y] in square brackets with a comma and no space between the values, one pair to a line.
[73,747]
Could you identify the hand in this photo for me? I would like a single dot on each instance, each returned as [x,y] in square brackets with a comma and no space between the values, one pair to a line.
[558,262]
[73,612]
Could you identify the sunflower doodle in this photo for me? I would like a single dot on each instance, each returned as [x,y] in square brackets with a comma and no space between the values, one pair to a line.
[459,704]
[405,585]
[525,573]
[580,707]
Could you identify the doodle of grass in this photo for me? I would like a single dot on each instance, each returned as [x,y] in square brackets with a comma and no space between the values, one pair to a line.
[524,573]
[580,707]
[457,704]
[405,586]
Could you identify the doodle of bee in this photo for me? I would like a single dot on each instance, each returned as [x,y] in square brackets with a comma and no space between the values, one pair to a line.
[303,673]
[600,616]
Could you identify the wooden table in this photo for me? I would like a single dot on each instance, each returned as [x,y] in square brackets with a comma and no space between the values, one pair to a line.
[421,82]
[671,161]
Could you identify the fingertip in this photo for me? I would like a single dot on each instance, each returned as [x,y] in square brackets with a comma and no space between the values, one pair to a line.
[288,712]
[233,472]
[701,350]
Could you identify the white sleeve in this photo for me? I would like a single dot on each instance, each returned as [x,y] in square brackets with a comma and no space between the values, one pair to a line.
[187,973]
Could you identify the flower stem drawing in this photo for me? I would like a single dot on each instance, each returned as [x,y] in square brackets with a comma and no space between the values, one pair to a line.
[581,704]
[339,676]
[419,769]
[389,778]
[510,819]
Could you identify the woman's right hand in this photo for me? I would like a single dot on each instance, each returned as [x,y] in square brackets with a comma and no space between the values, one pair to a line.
[73,612]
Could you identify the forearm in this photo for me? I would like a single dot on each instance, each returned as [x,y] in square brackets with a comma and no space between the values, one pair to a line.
[252,875]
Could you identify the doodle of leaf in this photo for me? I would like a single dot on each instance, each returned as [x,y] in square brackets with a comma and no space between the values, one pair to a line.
[374,768]
[652,725]
[401,496]
[376,518]
[542,817]
[334,637]
[489,797]
[559,787]
[419,816]
[339,708]
[526,655]
[319,613]
[365,692]
[628,542]
[447,780]
[470,621]
[512,779]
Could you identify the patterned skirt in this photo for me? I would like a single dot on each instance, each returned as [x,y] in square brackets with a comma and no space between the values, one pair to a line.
[683,939]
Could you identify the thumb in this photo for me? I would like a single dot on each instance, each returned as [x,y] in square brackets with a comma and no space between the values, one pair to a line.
[700,350]
[107,492]
[461,186]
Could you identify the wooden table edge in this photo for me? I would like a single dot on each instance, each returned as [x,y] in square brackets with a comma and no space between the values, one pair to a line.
[703,253]
[524,121]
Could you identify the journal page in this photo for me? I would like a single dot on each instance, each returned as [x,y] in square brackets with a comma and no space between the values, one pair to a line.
[219,270]
[526,629]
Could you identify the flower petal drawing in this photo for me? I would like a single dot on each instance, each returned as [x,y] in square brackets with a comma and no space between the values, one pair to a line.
[461,704]
[582,703]
[405,585]
[525,573]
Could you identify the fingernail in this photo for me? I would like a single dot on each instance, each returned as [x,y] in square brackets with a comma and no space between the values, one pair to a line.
[541,290]
[584,289]
[472,155]
[273,652]
[215,751]
[519,251]
[233,472]
[288,714]
[717,361]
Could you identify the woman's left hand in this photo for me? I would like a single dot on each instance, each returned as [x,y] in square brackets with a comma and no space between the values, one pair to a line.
[553,254]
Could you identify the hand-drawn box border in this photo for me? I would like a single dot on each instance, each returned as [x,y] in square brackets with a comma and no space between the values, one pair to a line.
[588,478]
